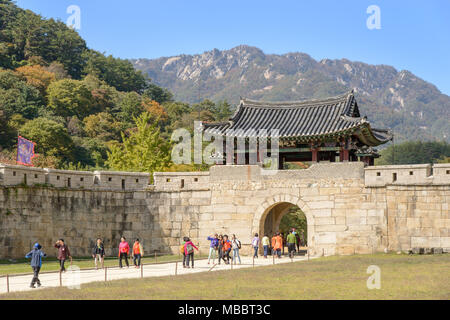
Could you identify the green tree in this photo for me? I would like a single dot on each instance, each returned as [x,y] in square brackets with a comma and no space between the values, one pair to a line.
[130,106]
[118,73]
[16,96]
[143,150]
[51,137]
[414,152]
[294,218]
[158,94]
[69,97]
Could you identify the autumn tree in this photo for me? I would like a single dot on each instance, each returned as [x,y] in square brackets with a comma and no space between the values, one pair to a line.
[37,76]
[143,150]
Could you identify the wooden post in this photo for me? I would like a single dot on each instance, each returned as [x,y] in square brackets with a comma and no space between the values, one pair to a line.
[106,268]
[198,246]
[7,283]
[273,257]
[156,258]
[176,267]
[231,263]
[142,270]
[253,261]
[307,251]
[60,278]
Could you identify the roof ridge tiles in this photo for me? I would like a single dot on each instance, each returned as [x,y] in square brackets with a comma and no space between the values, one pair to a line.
[308,103]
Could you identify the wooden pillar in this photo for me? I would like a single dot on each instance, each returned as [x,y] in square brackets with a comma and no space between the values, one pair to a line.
[315,154]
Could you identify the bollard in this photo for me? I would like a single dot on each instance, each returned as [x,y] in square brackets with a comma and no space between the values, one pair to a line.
[307,251]
[253,261]
[106,268]
[142,270]
[273,258]
[156,258]
[176,267]
[7,283]
[60,278]
[231,263]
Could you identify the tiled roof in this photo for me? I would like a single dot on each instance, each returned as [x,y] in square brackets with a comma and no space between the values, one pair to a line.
[308,120]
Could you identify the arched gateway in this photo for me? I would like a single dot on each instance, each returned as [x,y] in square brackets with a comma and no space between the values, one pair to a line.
[276,207]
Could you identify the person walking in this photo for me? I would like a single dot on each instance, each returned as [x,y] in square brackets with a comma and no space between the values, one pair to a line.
[220,248]
[266,244]
[98,253]
[291,243]
[273,242]
[278,244]
[213,247]
[63,254]
[36,256]
[226,249]
[189,251]
[236,245]
[255,245]
[138,253]
[124,251]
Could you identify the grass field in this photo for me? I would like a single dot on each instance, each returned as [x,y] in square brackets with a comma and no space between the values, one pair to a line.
[51,264]
[337,277]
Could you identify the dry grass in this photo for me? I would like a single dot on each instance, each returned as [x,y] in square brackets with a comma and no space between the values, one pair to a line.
[402,277]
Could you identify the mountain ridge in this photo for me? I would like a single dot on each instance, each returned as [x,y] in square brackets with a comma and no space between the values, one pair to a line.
[410,106]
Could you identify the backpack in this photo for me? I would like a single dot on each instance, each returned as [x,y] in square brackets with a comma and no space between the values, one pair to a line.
[238,243]
[189,248]
[182,249]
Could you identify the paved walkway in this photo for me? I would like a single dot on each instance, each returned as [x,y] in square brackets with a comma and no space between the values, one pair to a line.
[73,278]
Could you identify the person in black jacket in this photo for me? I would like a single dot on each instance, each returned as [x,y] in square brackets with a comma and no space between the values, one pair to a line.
[36,256]
[98,253]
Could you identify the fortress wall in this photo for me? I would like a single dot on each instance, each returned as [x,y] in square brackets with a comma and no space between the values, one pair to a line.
[348,210]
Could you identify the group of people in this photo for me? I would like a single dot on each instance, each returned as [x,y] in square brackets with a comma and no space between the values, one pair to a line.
[98,254]
[221,246]
[293,240]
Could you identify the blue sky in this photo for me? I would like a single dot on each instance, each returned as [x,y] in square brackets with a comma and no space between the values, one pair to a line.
[414,35]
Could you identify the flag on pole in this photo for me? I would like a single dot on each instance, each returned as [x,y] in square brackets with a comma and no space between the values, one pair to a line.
[25,151]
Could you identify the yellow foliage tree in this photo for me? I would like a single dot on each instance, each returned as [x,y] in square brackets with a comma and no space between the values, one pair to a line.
[37,76]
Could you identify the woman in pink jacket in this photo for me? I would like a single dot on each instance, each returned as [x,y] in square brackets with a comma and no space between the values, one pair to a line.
[124,250]
[189,251]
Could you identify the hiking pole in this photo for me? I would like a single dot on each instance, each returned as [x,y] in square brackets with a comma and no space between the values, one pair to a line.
[7,283]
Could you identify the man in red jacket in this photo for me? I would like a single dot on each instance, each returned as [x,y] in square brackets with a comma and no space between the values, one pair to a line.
[63,253]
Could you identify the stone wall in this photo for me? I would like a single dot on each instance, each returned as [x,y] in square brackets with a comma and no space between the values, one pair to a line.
[349,209]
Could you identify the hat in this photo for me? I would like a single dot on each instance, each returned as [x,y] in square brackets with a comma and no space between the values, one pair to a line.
[37,245]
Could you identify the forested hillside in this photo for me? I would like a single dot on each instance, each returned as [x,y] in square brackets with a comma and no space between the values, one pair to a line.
[73,101]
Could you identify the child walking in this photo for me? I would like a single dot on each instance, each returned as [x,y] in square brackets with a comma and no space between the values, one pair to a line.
[36,256]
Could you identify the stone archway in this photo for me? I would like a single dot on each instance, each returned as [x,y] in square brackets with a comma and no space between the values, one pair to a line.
[282,203]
